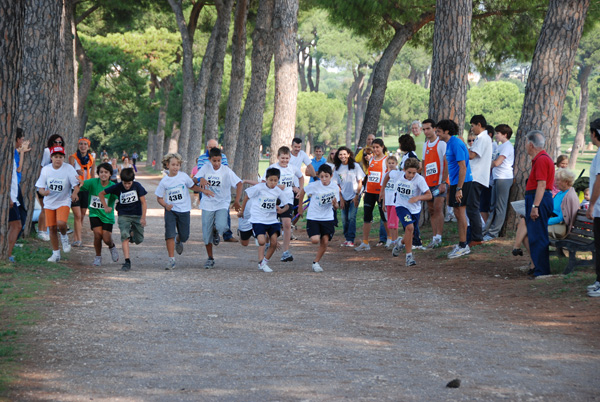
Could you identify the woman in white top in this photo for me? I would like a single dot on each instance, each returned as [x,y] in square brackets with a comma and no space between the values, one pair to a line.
[349,176]
[502,173]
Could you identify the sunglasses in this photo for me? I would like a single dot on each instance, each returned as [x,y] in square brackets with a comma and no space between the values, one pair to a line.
[470,140]
[58,142]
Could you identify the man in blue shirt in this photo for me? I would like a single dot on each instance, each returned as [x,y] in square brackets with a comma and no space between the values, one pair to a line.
[317,161]
[459,172]
[202,160]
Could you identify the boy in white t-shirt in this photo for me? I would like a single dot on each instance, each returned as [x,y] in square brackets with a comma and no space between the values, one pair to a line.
[55,184]
[324,197]
[219,179]
[411,188]
[173,195]
[263,214]
[289,175]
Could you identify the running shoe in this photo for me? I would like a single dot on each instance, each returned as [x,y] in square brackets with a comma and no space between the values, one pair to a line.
[126,266]
[459,252]
[398,248]
[97,261]
[594,286]
[210,263]
[264,267]
[388,243]
[170,265]
[178,247]
[11,259]
[347,244]
[594,292]
[77,243]
[435,243]
[287,257]
[363,247]
[410,261]
[65,243]
[114,254]
[44,236]
[316,267]
[54,258]
[216,237]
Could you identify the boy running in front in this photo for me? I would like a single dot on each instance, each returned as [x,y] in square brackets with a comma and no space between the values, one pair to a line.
[264,210]
[324,197]
[54,184]
[101,221]
[218,179]
[411,188]
[131,208]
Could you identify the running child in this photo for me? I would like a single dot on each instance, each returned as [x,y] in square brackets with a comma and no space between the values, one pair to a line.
[324,197]
[286,182]
[218,179]
[131,208]
[55,184]
[173,195]
[101,221]
[263,214]
[411,188]
[389,201]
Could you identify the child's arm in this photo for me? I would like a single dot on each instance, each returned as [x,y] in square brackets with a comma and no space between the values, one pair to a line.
[238,194]
[301,183]
[426,196]
[301,202]
[75,195]
[250,182]
[382,191]
[282,210]
[102,197]
[163,204]
[243,207]
[144,208]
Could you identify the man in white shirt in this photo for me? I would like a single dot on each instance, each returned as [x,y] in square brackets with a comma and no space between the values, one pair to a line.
[297,158]
[480,159]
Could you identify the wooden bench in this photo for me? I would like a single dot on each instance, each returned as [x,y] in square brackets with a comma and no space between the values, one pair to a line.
[580,239]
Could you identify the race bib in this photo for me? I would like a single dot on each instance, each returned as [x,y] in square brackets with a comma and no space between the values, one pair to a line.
[128,198]
[55,185]
[175,194]
[404,190]
[287,181]
[431,169]
[375,177]
[95,202]
[267,203]
[326,199]
[389,186]
[214,180]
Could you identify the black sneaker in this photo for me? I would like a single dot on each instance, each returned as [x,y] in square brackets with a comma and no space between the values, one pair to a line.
[126,266]
[517,251]
[216,237]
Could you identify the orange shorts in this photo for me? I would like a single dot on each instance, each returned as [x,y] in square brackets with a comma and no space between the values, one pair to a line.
[55,215]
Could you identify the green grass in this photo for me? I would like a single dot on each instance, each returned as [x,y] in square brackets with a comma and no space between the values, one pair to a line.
[22,285]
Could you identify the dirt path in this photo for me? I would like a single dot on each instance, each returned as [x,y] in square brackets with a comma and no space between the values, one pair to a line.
[365,329]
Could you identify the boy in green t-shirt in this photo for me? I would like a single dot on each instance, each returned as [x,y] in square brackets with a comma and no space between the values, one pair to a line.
[101,222]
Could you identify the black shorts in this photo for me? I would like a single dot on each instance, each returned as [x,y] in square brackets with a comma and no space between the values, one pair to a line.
[369,201]
[323,228]
[83,200]
[246,234]
[452,195]
[96,222]
[485,199]
[287,214]
[14,214]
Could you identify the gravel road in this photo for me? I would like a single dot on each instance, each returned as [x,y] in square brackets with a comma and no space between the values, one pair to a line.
[358,331]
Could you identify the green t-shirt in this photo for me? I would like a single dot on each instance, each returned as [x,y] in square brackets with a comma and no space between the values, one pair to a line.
[94,187]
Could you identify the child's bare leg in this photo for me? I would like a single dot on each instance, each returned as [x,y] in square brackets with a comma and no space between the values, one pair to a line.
[125,247]
[287,232]
[408,237]
[322,247]
[98,240]
[261,247]
[171,247]
[209,250]
[272,245]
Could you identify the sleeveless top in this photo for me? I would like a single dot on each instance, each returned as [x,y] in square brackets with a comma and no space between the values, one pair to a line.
[377,169]
[432,164]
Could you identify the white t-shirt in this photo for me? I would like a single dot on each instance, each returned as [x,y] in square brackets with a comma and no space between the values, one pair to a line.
[264,207]
[60,182]
[594,172]
[321,200]
[46,160]
[219,182]
[175,191]
[297,161]
[287,177]
[480,166]
[349,180]
[505,170]
[406,189]
[244,223]
[390,190]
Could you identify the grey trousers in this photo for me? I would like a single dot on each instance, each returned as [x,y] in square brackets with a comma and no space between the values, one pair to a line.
[500,200]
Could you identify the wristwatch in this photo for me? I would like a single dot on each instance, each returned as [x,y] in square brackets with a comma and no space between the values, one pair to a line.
[533,206]
[458,188]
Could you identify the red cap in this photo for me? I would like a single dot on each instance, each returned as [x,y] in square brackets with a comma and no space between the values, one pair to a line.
[57,150]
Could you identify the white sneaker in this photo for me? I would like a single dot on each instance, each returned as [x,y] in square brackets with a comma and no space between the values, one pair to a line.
[97,261]
[347,244]
[44,236]
[435,243]
[410,261]
[594,286]
[487,237]
[170,265]
[114,254]
[317,267]
[398,248]
[421,247]
[388,243]
[264,267]
[65,243]
[363,247]
[594,292]
[459,252]
[54,258]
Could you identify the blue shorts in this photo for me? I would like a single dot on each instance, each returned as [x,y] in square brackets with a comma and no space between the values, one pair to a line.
[270,230]
[406,218]
[14,214]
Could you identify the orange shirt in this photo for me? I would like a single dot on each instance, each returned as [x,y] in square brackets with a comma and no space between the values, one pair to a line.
[432,164]
[377,170]
[85,168]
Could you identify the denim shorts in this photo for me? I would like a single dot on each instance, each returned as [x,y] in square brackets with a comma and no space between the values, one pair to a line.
[177,223]
[211,220]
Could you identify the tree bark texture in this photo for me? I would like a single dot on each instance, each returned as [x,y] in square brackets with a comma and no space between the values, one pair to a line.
[362,97]
[302,55]
[236,86]
[247,152]
[584,96]
[285,28]
[150,147]
[213,95]
[547,85]
[85,85]
[40,96]
[68,80]
[450,63]
[358,77]
[11,26]
[166,87]
[174,141]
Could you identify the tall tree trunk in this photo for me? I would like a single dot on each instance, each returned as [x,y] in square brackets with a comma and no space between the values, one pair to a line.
[547,85]
[358,77]
[450,63]
[213,96]
[362,96]
[39,92]
[85,85]
[584,96]
[69,81]
[174,141]
[285,27]
[302,55]
[150,147]
[166,87]
[252,117]
[200,93]
[311,84]
[236,86]
[381,72]
[11,51]
[317,73]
